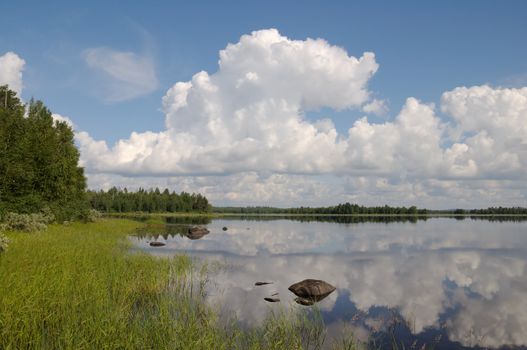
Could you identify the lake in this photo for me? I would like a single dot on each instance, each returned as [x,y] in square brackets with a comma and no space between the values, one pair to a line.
[441,282]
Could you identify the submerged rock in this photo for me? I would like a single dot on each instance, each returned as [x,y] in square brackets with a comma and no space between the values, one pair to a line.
[312,290]
[157,244]
[272,300]
[197,232]
[262,283]
[304,301]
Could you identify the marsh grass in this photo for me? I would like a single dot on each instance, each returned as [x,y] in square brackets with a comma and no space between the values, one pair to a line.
[80,286]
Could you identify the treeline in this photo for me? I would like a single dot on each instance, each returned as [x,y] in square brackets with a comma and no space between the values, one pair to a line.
[117,200]
[355,209]
[492,211]
[38,161]
[340,209]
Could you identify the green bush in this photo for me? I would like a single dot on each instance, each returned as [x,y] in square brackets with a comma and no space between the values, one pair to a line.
[4,242]
[93,215]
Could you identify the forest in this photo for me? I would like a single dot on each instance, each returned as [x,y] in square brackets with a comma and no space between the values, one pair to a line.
[121,201]
[39,168]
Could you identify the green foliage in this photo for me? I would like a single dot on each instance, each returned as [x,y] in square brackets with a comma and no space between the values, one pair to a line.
[4,242]
[38,161]
[122,201]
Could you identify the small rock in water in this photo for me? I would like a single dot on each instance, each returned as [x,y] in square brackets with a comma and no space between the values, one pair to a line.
[274,294]
[262,283]
[224,228]
[310,289]
[197,232]
[304,301]
[157,244]
[272,300]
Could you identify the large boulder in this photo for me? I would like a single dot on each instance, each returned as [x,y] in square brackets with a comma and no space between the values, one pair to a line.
[197,232]
[311,290]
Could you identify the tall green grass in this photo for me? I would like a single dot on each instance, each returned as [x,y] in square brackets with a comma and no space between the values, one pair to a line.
[81,287]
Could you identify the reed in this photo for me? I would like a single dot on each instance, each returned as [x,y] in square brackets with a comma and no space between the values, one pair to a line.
[81,286]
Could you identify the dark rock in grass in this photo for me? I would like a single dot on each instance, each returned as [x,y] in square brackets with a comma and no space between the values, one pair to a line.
[272,300]
[224,228]
[304,301]
[197,232]
[262,283]
[157,244]
[314,290]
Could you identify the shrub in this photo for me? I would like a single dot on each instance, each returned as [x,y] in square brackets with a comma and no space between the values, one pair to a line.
[46,216]
[24,222]
[4,242]
[92,215]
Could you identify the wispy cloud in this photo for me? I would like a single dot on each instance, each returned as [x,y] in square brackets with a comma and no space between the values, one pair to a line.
[127,75]
[377,107]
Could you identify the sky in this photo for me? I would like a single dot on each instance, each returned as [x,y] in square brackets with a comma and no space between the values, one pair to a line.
[285,104]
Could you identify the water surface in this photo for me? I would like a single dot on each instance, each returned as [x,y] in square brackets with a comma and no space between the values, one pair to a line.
[442,282]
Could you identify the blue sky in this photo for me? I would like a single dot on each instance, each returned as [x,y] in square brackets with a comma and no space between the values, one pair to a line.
[423,49]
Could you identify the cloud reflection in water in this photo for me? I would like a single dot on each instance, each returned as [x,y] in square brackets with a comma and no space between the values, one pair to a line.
[466,276]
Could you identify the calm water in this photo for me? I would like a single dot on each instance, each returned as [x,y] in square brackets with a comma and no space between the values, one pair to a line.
[455,283]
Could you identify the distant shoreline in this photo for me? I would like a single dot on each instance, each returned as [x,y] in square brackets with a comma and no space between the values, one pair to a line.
[219,215]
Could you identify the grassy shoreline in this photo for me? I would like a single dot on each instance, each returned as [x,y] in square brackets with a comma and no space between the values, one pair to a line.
[80,286]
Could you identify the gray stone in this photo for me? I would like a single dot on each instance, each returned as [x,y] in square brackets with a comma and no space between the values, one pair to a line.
[262,283]
[197,232]
[304,301]
[310,289]
[272,300]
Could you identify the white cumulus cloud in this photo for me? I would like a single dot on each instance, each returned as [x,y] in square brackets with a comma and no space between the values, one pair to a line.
[492,124]
[11,67]
[246,124]
[249,114]
[128,75]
